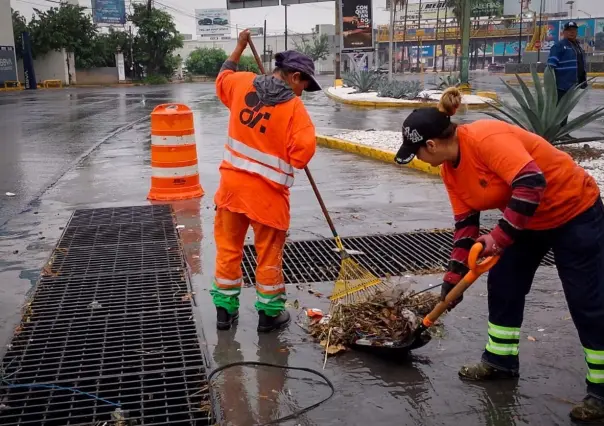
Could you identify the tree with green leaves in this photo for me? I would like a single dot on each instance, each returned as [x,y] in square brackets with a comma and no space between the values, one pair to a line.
[205,61]
[19,27]
[156,40]
[317,47]
[248,63]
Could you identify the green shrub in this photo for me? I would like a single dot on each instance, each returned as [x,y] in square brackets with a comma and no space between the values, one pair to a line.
[541,113]
[248,63]
[362,81]
[400,89]
[451,80]
[155,79]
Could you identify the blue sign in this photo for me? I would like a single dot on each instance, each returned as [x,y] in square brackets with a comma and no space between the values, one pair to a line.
[426,51]
[111,12]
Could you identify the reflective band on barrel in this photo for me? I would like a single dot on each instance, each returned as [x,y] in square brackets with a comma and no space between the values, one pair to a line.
[254,154]
[267,172]
[173,140]
[169,172]
[501,332]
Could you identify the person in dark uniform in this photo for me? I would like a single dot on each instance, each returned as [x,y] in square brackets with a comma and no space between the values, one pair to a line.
[569,62]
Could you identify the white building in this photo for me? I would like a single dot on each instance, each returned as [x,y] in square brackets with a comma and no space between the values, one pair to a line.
[574,9]
[274,44]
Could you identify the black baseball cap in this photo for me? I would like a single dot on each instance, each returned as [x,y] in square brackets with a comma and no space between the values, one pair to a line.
[297,61]
[421,125]
[570,24]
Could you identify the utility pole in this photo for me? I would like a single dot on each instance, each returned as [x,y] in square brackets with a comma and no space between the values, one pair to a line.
[419,40]
[285,6]
[540,30]
[264,48]
[465,42]
[405,38]
[520,38]
[436,33]
[444,55]
[149,5]
[338,72]
[391,39]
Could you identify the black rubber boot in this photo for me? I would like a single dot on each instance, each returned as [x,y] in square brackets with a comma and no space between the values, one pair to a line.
[482,371]
[590,410]
[224,320]
[267,324]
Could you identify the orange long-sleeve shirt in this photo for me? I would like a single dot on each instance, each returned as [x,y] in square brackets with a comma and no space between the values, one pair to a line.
[284,132]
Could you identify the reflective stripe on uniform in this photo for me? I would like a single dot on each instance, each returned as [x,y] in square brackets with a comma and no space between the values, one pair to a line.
[510,333]
[504,349]
[594,357]
[254,154]
[267,172]
[234,292]
[224,283]
[269,300]
[173,140]
[595,376]
[270,288]
[168,172]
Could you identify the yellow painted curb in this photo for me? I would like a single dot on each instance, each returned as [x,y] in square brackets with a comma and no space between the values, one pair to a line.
[398,104]
[598,85]
[589,74]
[375,153]
[490,95]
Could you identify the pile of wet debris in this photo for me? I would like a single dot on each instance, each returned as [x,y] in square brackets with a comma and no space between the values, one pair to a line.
[388,319]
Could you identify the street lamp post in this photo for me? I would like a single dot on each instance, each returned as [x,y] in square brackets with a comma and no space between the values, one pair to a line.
[571,3]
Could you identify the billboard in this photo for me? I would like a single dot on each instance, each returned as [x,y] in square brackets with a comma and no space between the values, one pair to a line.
[111,12]
[552,35]
[357,25]
[599,40]
[8,66]
[491,8]
[256,31]
[429,10]
[212,22]
[508,49]
[243,4]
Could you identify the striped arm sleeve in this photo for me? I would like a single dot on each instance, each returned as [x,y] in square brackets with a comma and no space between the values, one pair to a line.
[527,190]
[466,231]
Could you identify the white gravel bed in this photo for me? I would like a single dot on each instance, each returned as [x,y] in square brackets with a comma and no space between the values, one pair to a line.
[435,95]
[391,141]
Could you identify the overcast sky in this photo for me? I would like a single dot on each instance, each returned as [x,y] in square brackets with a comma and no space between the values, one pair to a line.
[301,18]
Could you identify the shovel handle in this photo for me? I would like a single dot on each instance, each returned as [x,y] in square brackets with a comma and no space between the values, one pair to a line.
[476,270]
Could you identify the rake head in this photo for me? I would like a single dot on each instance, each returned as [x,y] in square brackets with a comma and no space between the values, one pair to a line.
[355,284]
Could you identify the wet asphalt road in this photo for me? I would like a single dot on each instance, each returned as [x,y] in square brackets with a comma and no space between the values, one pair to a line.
[50,161]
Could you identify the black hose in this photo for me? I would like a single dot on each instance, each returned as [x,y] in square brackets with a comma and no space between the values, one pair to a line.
[283,367]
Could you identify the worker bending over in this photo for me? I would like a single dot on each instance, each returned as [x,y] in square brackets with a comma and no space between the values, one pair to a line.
[548,202]
[270,133]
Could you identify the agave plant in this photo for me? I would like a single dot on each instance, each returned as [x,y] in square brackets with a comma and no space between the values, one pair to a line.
[399,89]
[541,113]
[362,81]
[451,80]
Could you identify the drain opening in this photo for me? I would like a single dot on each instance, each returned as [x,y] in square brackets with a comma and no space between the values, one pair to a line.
[383,255]
[111,317]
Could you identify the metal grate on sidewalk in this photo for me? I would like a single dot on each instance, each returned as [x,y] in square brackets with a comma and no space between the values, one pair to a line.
[384,255]
[109,334]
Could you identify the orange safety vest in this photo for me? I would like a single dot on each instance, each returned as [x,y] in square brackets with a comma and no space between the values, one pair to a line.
[264,146]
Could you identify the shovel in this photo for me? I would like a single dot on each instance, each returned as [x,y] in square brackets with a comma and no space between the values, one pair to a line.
[419,338]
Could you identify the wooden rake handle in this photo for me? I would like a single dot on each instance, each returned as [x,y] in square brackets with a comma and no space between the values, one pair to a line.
[313,184]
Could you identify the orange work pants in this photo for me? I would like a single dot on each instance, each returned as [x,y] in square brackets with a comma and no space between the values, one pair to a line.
[229,233]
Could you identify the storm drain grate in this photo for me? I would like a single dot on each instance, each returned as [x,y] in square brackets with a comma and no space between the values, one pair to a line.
[111,317]
[383,255]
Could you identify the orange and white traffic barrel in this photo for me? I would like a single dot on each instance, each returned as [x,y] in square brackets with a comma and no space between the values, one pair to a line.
[174,172]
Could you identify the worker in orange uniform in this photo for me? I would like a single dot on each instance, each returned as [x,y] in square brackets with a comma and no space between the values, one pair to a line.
[270,133]
[548,202]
